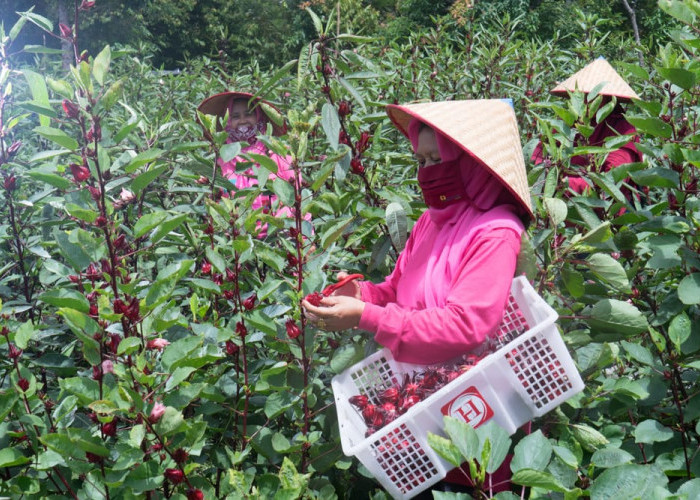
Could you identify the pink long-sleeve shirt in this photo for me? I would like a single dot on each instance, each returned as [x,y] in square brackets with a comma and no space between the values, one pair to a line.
[449,288]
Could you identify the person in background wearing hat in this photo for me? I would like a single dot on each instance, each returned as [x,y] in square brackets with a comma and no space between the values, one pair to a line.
[585,80]
[246,121]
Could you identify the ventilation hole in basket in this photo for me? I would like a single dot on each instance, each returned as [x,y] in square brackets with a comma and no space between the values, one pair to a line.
[513,323]
[373,378]
[539,371]
[402,459]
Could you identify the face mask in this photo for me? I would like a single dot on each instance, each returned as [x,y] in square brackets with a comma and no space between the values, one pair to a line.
[442,184]
[245,133]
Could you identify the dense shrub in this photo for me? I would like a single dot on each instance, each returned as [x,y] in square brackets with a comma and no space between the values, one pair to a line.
[153,344]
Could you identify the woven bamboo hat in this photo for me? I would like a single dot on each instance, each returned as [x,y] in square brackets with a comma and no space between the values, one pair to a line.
[596,72]
[217,105]
[486,129]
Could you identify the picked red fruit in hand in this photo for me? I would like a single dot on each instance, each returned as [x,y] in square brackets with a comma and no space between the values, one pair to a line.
[315,298]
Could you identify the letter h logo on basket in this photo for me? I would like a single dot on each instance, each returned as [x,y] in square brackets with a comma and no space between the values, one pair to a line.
[469,406]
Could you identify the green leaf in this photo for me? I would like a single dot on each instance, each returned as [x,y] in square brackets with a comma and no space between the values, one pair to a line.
[532,452]
[215,259]
[40,21]
[128,345]
[178,376]
[556,209]
[589,438]
[628,481]
[170,422]
[10,457]
[17,28]
[346,356]
[330,124]
[81,213]
[25,332]
[164,228]
[277,76]
[229,151]
[52,179]
[445,449]
[148,222]
[463,436]
[277,403]
[678,76]
[111,96]
[689,289]
[611,457]
[573,280]
[147,177]
[40,94]
[100,65]
[74,254]
[609,270]
[353,91]
[499,441]
[335,231]
[58,136]
[617,318]
[566,456]
[397,222]
[316,20]
[538,479]
[142,158]
[656,177]
[679,330]
[651,126]
[264,161]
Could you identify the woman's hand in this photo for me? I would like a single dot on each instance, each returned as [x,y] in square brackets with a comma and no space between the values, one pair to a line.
[350,289]
[335,313]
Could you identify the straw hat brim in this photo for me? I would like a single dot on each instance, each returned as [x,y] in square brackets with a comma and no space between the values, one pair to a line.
[217,105]
[485,129]
[593,74]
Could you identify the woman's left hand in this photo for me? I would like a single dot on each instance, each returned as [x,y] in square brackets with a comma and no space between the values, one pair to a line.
[335,313]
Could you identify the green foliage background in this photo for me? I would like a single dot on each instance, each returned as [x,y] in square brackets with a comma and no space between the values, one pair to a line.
[254,411]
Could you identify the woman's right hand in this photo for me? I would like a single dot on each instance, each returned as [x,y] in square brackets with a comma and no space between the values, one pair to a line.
[350,289]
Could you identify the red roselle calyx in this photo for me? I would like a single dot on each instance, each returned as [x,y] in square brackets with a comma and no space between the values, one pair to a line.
[66,31]
[249,303]
[23,384]
[356,166]
[363,143]
[231,348]
[194,494]
[206,267]
[175,476]
[80,172]
[70,108]
[241,329]
[360,401]
[10,183]
[293,330]
[314,298]
[15,352]
[180,456]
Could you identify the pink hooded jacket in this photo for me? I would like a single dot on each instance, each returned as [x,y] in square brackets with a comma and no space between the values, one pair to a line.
[449,288]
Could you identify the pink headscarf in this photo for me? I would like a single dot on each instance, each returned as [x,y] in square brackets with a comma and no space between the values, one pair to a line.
[483,190]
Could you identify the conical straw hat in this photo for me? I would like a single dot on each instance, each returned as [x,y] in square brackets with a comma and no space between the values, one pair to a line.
[598,71]
[218,105]
[485,129]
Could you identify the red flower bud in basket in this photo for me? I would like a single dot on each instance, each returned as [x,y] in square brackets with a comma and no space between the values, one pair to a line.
[359,401]
[249,303]
[23,384]
[175,476]
[70,108]
[390,395]
[390,413]
[368,413]
[378,419]
[193,494]
[80,172]
[407,403]
[293,330]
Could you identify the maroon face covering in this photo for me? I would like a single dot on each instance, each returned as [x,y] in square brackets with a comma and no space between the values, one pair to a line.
[442,183]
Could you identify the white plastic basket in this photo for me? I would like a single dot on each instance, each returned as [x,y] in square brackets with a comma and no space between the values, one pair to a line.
[530,374]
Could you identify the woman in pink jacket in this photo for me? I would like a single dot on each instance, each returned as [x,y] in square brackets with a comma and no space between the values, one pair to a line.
[247,119]
[448,291]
